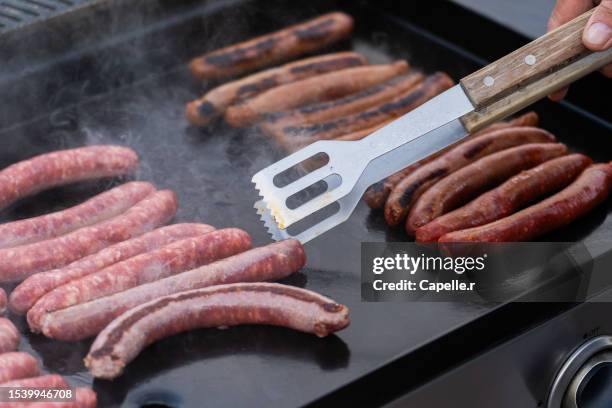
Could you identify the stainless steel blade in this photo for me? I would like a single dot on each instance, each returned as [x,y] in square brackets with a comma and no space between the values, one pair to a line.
[359,164]
[378,169]
[443,109]
[413,151]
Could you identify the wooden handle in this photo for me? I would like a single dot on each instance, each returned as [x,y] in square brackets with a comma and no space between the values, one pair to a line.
[530,73]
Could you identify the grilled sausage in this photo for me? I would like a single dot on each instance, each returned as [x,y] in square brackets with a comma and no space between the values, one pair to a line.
[432,86]
[3,301]
[323,87]
[468,182]
[527,119]
[405,193]
[348,105]
[18,263]
[589,190]
[9,336]
[218,306]
[99,208]
[27,293]
[63,167]
[273,48]
[214,103]
[17,365]
[377,194]
[272,262]
[514,194]
[349,137]
[169,260]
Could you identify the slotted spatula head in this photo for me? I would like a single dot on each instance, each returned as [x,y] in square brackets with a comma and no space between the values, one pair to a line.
[351,166]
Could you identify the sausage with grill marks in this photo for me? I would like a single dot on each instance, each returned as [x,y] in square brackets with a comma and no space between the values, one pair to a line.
[272,262]
[21,262]
[218,306]
[323,87]
[272,48]
[589,190]
[97,209]
[9,336]
[377,194]
[348,105]
[514,194]
[62,167]
[349,137]
[17,365]
[432,86]
[169,260]
[214,103]
[468,182]
[406,192]
[27,293]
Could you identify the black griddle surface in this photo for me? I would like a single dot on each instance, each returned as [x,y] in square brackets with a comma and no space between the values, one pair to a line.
[211,170]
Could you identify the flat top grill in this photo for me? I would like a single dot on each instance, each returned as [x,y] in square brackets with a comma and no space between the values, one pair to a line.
[134,93]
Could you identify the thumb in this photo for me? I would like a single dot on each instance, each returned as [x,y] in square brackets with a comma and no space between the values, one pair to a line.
[597,35]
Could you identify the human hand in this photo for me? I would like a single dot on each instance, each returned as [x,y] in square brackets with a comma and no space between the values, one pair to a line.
[597,35]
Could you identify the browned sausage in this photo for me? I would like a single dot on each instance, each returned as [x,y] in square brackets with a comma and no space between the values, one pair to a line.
[17,365]
[468,182]
[323,87]
[589,190]
[97,209]
[9,336]
[377,194]
[432,86]
[273,48]
[63,167]
[33,288]
[20,262]
[272,262]
[349,137]
[405,193]
[214,103]
[3,301]
[348,105]
[218,306]
[169,260]
[514,194]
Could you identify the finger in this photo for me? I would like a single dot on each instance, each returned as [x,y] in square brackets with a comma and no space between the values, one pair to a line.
[558,95]
[598,33]
[566,10]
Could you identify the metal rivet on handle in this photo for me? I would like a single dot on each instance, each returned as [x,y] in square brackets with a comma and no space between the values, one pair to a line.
[488,80]
[530,59]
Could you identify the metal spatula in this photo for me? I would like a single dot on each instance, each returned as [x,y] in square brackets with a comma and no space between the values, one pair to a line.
[492,93]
